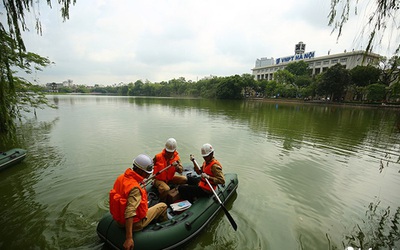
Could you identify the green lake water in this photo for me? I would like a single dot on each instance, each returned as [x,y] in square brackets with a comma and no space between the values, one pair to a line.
[310,176]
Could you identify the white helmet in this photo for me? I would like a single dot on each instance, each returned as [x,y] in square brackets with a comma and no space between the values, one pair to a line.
[170,145]
[144,162]
[206,150]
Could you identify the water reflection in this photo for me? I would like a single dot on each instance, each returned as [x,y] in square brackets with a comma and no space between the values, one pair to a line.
[343,128]
[20,206]
[378,229]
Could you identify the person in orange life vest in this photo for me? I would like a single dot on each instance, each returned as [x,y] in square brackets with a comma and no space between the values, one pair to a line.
[169,160]
[211,169]
[128,200]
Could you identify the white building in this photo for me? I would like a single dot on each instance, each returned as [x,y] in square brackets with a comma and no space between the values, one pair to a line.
[266,67]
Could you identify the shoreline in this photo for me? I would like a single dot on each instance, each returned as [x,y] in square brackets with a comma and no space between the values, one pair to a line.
[328,103]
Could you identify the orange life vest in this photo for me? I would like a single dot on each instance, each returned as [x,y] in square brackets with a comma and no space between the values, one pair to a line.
[162,163]
[119,196]
[207,169]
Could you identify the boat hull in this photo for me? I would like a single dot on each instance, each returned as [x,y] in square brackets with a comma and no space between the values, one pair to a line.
[175,232]
[11,157]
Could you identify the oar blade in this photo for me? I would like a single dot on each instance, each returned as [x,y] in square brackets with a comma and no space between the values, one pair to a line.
[231,220]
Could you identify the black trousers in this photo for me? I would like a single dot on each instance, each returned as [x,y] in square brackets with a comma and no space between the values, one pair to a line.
[192,190]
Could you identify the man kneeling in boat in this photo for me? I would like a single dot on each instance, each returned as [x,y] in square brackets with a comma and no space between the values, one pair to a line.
[211,169]
[128,200]
[166,164]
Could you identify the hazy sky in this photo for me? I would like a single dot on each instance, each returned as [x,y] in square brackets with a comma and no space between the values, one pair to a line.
[106,42]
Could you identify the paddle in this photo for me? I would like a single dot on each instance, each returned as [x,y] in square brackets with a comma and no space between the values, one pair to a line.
[159,172]
[231,220]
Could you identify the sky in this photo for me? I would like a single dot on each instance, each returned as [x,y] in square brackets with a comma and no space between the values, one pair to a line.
[109,42]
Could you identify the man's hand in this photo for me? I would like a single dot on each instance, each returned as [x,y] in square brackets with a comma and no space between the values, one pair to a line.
[205,176]
[191,157]
[179,168]
[128,244]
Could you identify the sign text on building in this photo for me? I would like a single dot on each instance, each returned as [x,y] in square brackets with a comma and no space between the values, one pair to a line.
[307,55]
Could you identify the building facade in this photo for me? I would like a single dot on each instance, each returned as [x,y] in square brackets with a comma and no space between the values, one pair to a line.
[53,86]
[266,67]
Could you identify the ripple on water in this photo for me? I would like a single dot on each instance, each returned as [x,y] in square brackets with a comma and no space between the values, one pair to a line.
[224,236]
[66,202]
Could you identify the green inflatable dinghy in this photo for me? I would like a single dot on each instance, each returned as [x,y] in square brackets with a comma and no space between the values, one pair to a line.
[181,227]
[11,157]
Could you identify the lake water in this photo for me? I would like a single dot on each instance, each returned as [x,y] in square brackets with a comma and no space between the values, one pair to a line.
[310,176]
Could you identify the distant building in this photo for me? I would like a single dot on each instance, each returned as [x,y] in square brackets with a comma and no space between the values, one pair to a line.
[265,68]
[264,62]
[68,83]
[53,86]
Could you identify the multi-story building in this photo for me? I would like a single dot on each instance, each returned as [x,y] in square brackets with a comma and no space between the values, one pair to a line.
[53,86]
[266,67]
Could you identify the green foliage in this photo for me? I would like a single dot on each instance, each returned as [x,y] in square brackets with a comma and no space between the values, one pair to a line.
[334,82]
[15,12]
[390,71]
[364,75]
[303,81]
[299,68]
[18,94]
[379,229]
[376,92]
[271,88]
[382,19]
[394,91]
[230,88]
[308,91]
[284,77]
[208,87]
[69,90]
[81,89]
[292,82]
[261,87]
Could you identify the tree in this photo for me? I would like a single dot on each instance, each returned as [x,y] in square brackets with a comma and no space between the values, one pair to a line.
[383,22]
[334,82]
[364,75]
[390,70]
[383,19]
[136,88]
[270,88]
[261,87]
[299,68]
[16,93]
[394,91]
[284,77]
[81,89]
[376,92]
[309,91]
[178,86]
[230,88]
[249,86]
[303,81]
[14,96]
